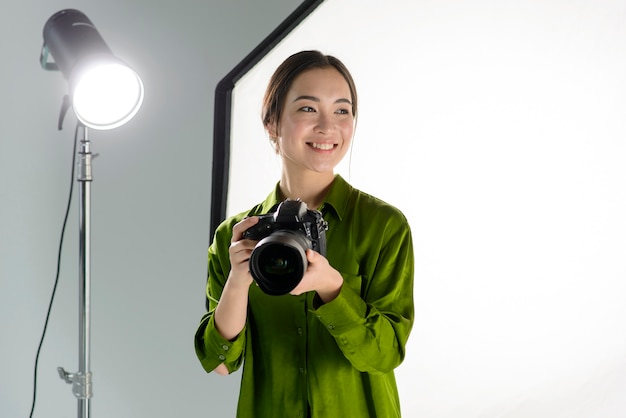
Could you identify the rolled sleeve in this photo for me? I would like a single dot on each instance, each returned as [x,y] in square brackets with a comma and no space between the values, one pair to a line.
[212,349]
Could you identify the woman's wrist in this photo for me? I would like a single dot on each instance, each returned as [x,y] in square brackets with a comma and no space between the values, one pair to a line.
[332,290]
[239,284]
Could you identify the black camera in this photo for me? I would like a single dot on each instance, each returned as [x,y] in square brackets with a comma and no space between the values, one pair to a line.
[278,261]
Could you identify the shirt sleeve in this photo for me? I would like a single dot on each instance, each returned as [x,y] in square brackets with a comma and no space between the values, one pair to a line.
[372,327]
[211,348]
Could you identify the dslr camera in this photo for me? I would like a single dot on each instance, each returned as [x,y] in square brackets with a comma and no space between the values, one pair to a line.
[278,261]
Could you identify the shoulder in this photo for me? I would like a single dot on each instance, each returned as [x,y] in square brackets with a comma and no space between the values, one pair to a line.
[369,205]
[351,203]
[368,217]
[225,228]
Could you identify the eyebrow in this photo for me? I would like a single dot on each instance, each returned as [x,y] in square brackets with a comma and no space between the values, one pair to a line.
[316,99]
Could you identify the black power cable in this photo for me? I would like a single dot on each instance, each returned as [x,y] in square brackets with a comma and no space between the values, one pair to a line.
[56,280]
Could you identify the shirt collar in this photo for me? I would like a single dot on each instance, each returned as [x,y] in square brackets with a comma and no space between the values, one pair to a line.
[336,200]
[337,197]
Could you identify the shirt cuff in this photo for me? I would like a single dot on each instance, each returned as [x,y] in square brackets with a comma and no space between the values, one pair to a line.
[343,313]
[216,349]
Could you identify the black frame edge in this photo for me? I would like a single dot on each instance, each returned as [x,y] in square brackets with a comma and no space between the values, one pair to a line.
[222,111]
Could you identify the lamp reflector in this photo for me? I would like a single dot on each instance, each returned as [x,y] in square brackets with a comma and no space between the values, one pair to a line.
[104,92]
[106,95]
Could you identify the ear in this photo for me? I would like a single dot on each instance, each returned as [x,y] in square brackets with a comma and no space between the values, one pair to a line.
[271,130]
[272,133]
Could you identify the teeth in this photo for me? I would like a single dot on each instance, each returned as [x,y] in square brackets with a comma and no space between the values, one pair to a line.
[324,147]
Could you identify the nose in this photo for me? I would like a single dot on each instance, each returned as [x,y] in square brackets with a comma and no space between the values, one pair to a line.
[325,123]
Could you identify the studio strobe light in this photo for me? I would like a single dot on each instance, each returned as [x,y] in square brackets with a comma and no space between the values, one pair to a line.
[104,93]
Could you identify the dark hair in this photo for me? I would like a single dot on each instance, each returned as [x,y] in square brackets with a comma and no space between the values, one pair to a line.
[283,77]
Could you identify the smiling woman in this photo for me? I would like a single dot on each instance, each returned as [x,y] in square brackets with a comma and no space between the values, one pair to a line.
[347,320]
[318,115]
[498,129]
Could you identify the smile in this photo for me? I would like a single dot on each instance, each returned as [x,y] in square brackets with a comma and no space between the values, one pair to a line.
[323,147]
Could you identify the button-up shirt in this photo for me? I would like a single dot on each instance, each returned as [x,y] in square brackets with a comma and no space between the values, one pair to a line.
[304,358]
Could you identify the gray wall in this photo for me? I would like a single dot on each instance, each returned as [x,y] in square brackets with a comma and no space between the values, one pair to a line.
[150,223]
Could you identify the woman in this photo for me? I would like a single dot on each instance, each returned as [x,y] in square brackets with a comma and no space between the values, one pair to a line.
[329,348]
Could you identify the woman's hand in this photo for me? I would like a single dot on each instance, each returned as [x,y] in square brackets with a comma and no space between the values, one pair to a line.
[231,311]
[240,250]
[321,277]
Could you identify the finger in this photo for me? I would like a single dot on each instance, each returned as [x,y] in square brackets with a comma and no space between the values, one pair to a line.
[297,291]
[240,251]
[242,226]
[311,255]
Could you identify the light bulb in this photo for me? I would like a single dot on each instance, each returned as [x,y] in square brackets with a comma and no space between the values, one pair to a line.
[107,95]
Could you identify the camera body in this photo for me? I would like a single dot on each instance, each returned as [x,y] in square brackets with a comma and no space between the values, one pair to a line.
[278,261]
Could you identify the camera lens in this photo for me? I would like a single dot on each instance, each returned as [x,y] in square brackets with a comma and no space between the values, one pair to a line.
[278,261]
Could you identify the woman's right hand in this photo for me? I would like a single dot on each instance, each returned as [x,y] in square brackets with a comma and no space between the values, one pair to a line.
[231,311]
[240,251]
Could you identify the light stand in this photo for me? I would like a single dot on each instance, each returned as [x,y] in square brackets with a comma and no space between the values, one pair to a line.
[97,81]
[81,380]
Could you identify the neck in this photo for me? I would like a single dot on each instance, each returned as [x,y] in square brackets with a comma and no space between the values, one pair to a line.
[311,187]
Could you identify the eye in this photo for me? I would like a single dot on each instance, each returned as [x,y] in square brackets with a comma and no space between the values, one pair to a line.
[343,111]
[307,109]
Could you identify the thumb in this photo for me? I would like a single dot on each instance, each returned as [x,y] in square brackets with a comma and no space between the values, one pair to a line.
[311,255]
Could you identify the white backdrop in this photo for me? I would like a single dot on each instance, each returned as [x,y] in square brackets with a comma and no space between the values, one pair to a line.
[498,128]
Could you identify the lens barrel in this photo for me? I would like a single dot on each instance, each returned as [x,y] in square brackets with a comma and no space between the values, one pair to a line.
[278,261]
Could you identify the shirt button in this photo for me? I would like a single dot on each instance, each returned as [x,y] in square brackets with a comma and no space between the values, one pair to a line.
[225,347]
[331,326]
[222,357]
[300,331]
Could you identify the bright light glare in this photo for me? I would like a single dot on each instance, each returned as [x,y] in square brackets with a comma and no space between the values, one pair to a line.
[107,96]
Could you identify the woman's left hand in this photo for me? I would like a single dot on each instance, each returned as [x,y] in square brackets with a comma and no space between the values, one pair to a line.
[319,276]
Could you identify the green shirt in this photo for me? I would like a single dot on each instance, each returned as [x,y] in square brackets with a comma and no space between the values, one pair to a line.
[303,358]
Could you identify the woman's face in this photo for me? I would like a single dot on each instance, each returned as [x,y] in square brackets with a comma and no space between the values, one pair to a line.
[317,124]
